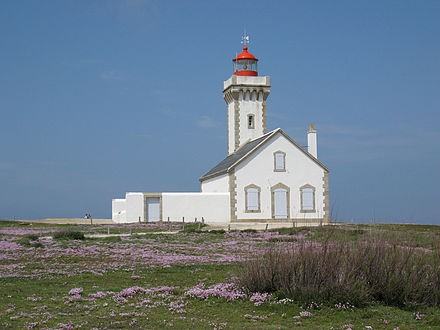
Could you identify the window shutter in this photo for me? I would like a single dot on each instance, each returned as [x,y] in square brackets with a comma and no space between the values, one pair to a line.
[279,161]
[252,199]
[307,199]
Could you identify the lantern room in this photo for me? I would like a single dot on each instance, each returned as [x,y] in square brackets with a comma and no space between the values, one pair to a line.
[245,64]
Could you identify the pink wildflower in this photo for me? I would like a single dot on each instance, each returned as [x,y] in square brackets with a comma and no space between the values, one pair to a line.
[259,298]
[75,291]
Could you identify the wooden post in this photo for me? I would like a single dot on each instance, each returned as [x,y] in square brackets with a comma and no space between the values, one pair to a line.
[195,219]
[267,225]
[168,219]
[203,220]
[183,219]
[199,226]
[108,230]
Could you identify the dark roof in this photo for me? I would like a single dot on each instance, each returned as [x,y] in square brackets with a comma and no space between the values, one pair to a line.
[223,166]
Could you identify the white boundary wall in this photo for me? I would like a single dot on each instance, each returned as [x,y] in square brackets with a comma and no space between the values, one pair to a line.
[134,207]
[213,207]
[118,210]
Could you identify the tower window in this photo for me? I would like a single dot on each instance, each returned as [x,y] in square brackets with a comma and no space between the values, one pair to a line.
[251,121]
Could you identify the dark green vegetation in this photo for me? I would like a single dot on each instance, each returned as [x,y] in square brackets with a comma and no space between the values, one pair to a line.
[144,280]
[68,234]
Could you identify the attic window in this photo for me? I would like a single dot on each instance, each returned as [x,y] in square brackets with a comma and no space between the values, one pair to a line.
[251,121]
[279,161]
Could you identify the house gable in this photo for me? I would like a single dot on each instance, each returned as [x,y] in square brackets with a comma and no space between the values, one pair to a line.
[227,164]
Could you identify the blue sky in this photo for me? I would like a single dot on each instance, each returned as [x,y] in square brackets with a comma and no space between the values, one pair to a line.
[102,97]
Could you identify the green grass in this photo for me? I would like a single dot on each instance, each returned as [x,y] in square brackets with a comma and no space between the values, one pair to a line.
[203,313]
[51,310]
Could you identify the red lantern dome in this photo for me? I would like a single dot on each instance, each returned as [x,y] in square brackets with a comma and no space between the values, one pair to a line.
[245,64]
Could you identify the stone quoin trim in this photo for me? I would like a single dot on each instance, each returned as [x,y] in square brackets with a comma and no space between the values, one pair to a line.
[233,195]
[236,124]
[153,195]
[275,161]
[325,187]
[246,199]
[272,196]
[265,95]
[301,198]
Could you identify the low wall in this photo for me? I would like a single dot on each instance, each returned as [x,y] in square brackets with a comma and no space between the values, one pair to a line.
[213,207]
[118,210]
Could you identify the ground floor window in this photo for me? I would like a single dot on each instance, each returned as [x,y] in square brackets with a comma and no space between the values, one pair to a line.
[307,198]
[252,196]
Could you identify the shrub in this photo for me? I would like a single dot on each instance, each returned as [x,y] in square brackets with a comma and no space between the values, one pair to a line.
[68,234]
[217,231]
[192,227]
[32,237]
[356,272]
[26,241]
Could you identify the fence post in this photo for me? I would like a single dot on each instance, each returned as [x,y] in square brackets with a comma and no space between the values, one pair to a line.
[203,220]
[108,230]
[183,219]
[199,226]
[267,225]
[168,219]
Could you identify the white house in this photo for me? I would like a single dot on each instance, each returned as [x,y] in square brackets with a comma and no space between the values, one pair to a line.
[266,176]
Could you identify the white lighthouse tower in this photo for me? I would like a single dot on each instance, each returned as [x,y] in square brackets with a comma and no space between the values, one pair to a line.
[245,94]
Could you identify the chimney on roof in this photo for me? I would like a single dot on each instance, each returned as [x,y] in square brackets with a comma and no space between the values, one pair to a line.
[312,144]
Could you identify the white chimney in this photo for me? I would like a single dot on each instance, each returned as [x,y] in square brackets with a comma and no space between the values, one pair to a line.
[312,144]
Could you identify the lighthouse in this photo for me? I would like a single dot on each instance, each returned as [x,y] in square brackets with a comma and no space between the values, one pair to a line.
[266,177]
[245,93]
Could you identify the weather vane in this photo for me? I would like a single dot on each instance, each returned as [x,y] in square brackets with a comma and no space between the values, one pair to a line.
[245,38]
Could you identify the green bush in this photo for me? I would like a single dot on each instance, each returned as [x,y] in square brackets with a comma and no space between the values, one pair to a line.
[192,227]
[68,234]
[217,231]
[32,237]
[26,241]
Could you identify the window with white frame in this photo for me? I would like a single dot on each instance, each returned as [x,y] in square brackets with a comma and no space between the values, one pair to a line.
[279,161]
[252,193]
[307,198]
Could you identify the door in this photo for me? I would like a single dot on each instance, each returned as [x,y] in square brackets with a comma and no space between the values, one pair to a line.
[280,203]
[153,209]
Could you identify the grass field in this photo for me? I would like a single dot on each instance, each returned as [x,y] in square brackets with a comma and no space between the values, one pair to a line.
[183,280]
